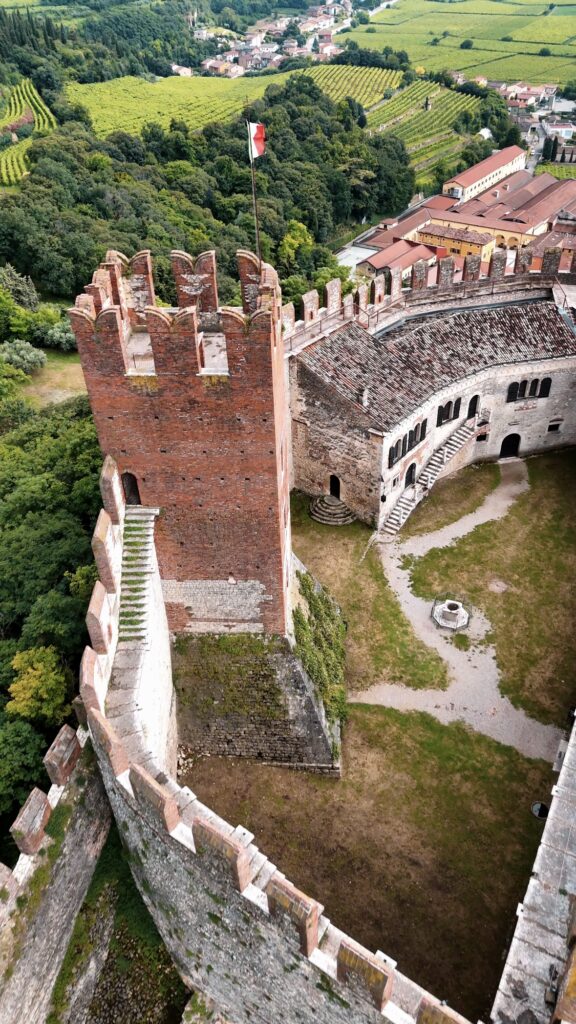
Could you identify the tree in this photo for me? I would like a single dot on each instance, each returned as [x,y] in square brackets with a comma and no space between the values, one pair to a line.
[41,687]
[554,152]
[20,287]
[22,355]
[547,148]
[21,768]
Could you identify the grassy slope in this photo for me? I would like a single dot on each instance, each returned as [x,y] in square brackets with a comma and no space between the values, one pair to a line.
[533,551]
[380,643]
[59,379]
[423,849]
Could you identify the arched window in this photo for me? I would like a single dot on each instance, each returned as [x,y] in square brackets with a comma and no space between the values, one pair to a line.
[410,439]
[447,412]
[456,409]
[439,417]
[522,388]
[533,388]
[404,444]
[512,392]
[392,456]
[417,433]
[423,426]
[473,406]
[545,387]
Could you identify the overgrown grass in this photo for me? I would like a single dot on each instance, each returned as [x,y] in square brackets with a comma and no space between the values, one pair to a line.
[59,379]
[137,964]
[380,642]
[452,498]
[320,636]
[533,552]
[423,849]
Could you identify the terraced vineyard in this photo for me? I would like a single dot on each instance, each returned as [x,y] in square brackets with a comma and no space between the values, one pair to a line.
[128,103]
[13,162]
[24,97]
[23,100]
[365,85]
[427,133]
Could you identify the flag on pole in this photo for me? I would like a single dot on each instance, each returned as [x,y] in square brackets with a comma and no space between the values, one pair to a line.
[256,140]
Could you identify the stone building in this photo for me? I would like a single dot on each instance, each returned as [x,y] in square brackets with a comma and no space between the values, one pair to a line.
[378,418]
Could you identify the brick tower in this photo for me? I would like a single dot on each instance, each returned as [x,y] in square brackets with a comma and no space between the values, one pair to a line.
[191,404]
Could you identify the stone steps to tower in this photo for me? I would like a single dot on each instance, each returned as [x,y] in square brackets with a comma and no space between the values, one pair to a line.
[137,568]
[330,511]
[427,478]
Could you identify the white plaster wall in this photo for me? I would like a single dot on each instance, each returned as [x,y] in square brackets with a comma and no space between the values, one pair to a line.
[529,418]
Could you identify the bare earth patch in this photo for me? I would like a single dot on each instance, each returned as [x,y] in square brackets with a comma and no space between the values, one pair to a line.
[423,849]
[60,379]
[531,554]
[380,643]
[452,498]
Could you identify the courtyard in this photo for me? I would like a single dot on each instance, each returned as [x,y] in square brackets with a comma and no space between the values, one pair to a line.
[424,847]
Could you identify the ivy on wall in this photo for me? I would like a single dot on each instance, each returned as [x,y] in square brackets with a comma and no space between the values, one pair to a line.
[320,638]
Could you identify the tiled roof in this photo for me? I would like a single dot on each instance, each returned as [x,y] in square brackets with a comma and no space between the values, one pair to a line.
[402,368]
[486,167]
[461,234]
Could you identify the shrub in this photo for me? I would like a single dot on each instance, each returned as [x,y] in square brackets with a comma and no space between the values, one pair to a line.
[544,52]
[466,44]
[60,336]
[320,646]
[20,288]
[22,355]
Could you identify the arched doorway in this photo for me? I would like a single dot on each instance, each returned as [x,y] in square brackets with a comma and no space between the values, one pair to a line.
[131,490]
[410,475]
[473,406]
[510,446]
[335,486]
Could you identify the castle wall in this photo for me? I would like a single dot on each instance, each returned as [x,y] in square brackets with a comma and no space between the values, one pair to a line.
[42,896]
[237,929]
[327,439]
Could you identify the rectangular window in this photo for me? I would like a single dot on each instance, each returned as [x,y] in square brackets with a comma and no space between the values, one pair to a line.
[395,481]
[482,437]
[553,428]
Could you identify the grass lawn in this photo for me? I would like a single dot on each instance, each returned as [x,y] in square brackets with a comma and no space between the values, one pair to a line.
[380,646]
[452,498]
[423,849]
[59,379]
[533,552]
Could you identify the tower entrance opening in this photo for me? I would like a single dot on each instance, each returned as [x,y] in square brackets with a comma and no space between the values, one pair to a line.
[335,486]
[131,489]
[510,446]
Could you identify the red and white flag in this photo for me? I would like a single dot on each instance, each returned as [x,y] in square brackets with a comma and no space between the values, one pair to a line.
[256,140]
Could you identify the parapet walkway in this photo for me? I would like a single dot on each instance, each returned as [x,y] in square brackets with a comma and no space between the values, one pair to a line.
[473,695]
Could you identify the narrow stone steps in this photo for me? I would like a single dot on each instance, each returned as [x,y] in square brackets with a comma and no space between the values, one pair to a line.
[137,568]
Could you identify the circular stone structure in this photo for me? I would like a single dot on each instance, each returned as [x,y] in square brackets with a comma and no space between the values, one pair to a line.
[450,614]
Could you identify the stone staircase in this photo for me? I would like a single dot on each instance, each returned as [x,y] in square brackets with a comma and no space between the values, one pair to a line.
[330,511]
[428,476]
[137,568]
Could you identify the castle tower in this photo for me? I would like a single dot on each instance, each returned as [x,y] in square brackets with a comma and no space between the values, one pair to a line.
[191,404]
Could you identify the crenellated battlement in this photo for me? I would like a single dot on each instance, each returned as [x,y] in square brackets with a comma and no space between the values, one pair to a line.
[190,401]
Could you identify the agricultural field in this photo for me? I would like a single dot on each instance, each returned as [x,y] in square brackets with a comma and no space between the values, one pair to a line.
[558,170]
[24,105]
[422,115]
[507,37]
[127,104]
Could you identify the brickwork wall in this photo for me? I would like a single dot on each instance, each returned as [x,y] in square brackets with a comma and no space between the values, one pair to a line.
[206,443]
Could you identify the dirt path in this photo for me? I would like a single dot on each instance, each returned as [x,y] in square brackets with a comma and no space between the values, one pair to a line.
[473,695]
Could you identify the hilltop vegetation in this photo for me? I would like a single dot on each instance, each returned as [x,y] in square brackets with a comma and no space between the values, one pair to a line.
[171,189]
[127,104]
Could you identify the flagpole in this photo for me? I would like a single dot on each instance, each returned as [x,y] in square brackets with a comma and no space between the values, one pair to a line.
[254,197]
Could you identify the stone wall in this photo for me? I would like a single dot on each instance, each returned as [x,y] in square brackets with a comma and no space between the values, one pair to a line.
[252,699]
[236,928]
[45,890]
[327,437]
